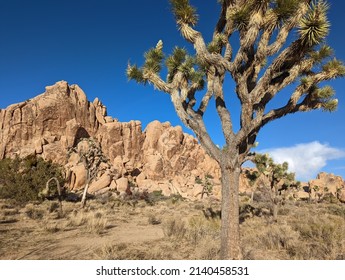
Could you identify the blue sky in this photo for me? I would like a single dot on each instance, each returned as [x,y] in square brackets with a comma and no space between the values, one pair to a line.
[90,42]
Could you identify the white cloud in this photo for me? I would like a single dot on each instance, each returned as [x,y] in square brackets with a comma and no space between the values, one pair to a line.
[306,159]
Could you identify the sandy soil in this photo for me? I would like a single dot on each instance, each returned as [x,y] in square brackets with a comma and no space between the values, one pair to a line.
[38,232]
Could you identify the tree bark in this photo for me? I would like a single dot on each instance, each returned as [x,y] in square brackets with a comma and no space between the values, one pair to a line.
[83,199]
[230,230]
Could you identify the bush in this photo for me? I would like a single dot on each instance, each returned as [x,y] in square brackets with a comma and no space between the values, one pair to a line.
[23,179]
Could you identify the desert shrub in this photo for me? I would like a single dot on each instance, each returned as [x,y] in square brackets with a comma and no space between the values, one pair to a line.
[77,219]
[34,212]
[200,228]
[154,219]
[308,233]
[278,237]
[53,207]
[52,227]
[198,180]
[329,198]
[201,235]
[322,237]
[96,223]
[92,222]
[337,210]
[208,249]
[24,179]
[124,251]
[284,211]
[175,228]
[154,197]
[174,198]
[263,240]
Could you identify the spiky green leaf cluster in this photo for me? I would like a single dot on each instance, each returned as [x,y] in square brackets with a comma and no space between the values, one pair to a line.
[324,93]
[174,61]
[190,73]
[334,68]
[278,172]
[240,17]
[262,162]
[217,44]
[153,63]
[321,54]
[197,77]
[324,96]
[134,73]
[184,12]
[153,59]
[187,66]
[314,27]
[305,81]
[284,9]
[182,62]
[331,105]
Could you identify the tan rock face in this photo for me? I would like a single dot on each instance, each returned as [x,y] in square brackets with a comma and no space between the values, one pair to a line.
[102,183]
[48,124]
[326,183]
[53,123]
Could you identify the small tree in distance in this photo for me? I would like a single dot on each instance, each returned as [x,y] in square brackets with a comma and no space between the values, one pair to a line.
[279,178]
[264,64]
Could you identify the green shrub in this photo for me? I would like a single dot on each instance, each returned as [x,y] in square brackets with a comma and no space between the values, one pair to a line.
[23,179]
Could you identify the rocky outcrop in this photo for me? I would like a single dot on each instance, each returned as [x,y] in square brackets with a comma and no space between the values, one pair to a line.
[327,184]
[50,123]
[54,124]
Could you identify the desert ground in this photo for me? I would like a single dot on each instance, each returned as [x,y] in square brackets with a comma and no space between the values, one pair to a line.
[166,228]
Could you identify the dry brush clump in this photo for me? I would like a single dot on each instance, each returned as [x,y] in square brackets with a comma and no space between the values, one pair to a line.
[125,251]
[34,211]
[90,221]
[308,232]
[200,236]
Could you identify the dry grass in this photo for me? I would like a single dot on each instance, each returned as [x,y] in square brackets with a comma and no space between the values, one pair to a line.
[125,251]
[90,221]
[198,236]
[308,232]
[168,229]
[34,212]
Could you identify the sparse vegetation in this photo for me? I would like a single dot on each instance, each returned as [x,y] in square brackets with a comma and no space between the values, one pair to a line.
[174,228]
[187,230]
[24,179]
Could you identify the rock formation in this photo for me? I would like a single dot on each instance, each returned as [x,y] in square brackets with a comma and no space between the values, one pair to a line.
[327,184]
[63,126]
[55,123]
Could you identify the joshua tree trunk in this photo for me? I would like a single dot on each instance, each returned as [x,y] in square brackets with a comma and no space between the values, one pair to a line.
[275,209]
[230,234]
[83,199]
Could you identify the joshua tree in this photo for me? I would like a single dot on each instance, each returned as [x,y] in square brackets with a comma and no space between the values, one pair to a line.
[265,62]
[279,177]
[91,159]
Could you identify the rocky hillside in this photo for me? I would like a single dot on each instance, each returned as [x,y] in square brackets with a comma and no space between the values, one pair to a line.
[63,126]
